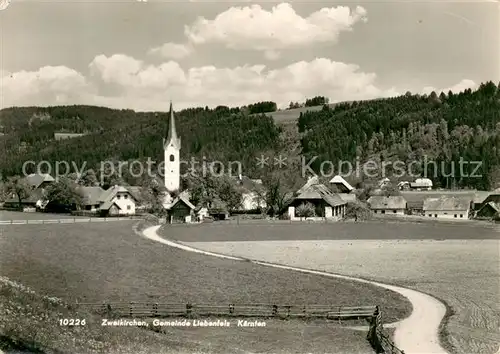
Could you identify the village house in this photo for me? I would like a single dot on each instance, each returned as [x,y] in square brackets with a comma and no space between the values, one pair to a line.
[326,203]
[181,211]
[38,183]
[479,199]
[343,188]
[421,184]
[488,210]
[392,205]
[415,199]
[252,193]
[117,200]
[447,207]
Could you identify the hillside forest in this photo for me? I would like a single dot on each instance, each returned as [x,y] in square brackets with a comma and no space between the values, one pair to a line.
[444,128]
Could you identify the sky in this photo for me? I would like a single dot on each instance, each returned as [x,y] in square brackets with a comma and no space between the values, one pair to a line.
[139,55]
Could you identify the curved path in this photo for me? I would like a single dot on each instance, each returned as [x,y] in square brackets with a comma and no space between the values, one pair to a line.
[417,334]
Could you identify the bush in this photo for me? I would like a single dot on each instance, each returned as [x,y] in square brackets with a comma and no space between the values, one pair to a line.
[305,210]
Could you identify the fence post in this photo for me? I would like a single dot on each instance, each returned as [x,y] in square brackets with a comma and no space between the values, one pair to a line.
[155,309]
[189,309]
[131,309]
[275,310]
[288,311]
[231,308]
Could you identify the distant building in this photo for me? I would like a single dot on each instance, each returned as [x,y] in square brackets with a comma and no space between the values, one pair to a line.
[117,200]
[64,136]
[383,183]
[422,184]
[415,199]
[488,210]
[181,211]
[342,185]
[479,199]
[404,185]
[393,205]
[38,183]
[447,207]
[326,203]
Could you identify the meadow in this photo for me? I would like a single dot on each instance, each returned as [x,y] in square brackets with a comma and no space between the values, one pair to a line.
[110,262]
[458,264]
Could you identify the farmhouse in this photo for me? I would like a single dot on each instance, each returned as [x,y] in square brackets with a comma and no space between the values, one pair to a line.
[488,210]
[393,205]
[341,184]
[252,193]
[38,182]
[181,211]
[421,184]
[479,199]
[415,199]
[326,203]
[116,200]
[447,207]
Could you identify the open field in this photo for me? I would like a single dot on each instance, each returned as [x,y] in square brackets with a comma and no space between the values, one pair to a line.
[260,230]
[29,323]
[97,262]
[16,215]
[464,273]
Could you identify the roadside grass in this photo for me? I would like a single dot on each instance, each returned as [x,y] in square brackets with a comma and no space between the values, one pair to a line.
[464,274]
[30,323]
[110,262]
[17,215]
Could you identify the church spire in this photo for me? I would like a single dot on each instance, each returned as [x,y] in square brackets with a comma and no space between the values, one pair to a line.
[172,138]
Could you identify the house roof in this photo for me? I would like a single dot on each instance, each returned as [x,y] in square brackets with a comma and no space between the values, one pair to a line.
[310,182]
[422,182]
[382,202]
[183,200]
[35,195]
[492,205]
[480,196]
[446,203]
[36,179]
[415,199]
[108,204]
[136,192]
[320,191]
[494,197]
[91,195]
[340,180]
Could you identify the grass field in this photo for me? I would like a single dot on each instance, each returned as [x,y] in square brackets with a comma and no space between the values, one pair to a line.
[96,262]
[457,264]
[15,215]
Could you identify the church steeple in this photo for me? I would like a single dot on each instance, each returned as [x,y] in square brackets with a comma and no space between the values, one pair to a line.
[172,138]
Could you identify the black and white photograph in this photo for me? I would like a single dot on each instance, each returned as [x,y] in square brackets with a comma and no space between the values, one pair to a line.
[249,177]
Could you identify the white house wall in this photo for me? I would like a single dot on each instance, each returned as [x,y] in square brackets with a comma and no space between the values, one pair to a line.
[127,205]
[447,214]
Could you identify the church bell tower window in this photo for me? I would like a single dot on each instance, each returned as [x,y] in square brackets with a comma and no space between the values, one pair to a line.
[172,158]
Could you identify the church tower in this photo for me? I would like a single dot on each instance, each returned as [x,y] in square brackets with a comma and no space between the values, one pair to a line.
[172,148]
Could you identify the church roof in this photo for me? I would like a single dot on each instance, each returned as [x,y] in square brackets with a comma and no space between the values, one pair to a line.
[172,138]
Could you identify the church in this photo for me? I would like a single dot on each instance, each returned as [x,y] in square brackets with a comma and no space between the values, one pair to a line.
[180,209]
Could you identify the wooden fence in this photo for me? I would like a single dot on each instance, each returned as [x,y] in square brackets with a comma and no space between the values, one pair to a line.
[380,341]
[147,310]
[66,220]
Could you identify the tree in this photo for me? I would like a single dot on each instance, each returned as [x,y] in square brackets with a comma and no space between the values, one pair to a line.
[305,210]
[89,179]
[64,194]
[357,211]
[18,186]
[153,194]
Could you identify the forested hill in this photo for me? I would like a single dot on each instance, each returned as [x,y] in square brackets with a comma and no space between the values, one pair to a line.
[408,128]
[221,134]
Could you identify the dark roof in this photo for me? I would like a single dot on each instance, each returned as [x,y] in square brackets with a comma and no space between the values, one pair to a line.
[36,179]
[181,199]
[491,205]
[320,191]
[494,197]
[392,202]
[35,195]
[446,203]
[172,137]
